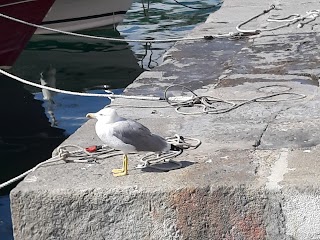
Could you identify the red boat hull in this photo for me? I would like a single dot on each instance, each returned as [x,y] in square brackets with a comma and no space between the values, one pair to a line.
[14,36]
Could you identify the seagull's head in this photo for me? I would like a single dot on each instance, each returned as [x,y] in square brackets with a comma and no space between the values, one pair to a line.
[107,115]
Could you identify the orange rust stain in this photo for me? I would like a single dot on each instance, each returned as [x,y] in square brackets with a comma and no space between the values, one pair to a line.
[205,214]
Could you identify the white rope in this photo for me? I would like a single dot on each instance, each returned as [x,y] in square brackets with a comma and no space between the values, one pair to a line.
[255,31]
[62,154]
[184,142]
[82,155]
[210,104]
[51,160]
[109,95]
[204,102]
[310,15]
[15,3]
[289,20]
[115,39]
[154,160]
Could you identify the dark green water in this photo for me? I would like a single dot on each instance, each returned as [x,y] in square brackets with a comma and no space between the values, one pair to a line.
[33,127]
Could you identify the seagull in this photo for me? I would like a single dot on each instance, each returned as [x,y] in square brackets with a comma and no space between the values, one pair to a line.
[126,135]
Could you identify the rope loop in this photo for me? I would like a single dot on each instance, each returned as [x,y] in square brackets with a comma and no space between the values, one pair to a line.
[254,31]
[310,16]
[63,154]
[183,142]
[82,155]
[214,105]
[156,161]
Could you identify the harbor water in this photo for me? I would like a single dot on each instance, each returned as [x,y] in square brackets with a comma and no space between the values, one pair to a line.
[34,122]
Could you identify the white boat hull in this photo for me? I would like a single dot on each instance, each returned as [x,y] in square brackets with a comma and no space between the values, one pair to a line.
[70,15]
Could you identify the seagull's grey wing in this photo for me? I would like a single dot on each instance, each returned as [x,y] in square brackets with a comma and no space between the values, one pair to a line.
[139,136]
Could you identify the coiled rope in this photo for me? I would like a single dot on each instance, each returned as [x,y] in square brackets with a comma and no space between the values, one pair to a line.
[84,155]
[211,105]
[154,161]
[310,16]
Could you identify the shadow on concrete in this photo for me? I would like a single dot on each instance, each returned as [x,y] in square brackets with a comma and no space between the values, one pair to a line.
[167,166]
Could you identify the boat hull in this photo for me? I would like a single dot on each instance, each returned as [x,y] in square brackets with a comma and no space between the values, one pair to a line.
[14,36]
[70,15]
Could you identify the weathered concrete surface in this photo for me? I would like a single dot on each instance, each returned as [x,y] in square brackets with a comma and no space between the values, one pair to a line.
[256,174]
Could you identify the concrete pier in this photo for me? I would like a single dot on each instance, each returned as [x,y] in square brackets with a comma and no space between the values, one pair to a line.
[256,174]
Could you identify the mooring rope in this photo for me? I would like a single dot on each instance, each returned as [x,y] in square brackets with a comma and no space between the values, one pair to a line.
[206,103]
[87,155]
[227,35]
[199,8]
[109,95]
[255,31]
[312,15]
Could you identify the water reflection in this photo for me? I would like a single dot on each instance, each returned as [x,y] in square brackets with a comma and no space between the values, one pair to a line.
[162,19]
[76,64]
[48,79]
[79,63]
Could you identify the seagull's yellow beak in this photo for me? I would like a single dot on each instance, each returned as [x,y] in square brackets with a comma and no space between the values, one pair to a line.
[91,115]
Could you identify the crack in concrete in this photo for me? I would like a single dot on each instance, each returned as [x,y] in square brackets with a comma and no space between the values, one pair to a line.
[272,118]
[258,141]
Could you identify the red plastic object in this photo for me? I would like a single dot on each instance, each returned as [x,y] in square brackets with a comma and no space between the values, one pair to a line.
[93,148]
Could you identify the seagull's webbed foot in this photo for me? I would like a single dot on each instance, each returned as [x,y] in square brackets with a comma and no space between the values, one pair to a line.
[119,174]
[117,170]
[121,171]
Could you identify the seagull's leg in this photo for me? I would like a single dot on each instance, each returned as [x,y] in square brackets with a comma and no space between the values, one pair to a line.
[124,170]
